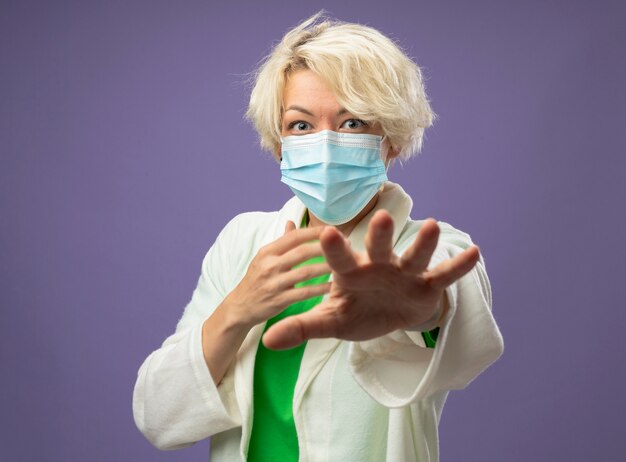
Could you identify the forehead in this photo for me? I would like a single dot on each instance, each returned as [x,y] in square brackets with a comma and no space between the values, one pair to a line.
[305,88]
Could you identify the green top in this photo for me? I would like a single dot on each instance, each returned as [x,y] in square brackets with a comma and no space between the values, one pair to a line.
[430,337]
[274,437]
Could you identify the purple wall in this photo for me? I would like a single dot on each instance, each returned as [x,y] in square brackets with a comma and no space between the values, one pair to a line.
[123,153]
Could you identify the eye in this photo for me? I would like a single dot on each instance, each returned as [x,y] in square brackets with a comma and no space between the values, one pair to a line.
[299,126]
[354,124]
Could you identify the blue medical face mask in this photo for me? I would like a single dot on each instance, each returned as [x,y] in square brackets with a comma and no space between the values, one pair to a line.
[334,174]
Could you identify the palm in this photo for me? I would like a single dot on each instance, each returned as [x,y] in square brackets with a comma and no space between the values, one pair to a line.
[375,292]
[359,301]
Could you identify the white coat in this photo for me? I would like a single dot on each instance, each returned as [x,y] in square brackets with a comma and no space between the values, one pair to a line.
[377,400]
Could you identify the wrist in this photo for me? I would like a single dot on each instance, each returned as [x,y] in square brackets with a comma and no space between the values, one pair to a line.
[235,315]
[222,335]
[437,319]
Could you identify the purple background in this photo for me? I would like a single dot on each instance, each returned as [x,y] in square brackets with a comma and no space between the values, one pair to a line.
[123,153]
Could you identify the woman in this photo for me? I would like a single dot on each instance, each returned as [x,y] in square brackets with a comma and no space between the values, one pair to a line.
[334,328]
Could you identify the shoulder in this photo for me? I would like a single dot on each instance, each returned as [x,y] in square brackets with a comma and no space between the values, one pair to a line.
[250,223]
[249,229]
[260,228]
[237,243]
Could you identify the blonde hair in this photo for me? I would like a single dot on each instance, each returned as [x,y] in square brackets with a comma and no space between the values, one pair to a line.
[369,74]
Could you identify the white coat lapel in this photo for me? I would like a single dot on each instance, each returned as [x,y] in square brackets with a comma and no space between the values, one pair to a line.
[317,351]
[244,370]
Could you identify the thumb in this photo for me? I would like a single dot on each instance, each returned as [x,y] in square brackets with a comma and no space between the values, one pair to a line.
[294,330]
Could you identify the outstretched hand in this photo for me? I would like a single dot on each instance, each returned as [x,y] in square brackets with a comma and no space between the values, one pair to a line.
[374,292]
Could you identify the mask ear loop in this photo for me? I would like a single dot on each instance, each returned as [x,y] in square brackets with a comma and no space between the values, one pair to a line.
[384,145]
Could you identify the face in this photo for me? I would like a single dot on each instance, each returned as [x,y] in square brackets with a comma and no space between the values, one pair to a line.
[310,106]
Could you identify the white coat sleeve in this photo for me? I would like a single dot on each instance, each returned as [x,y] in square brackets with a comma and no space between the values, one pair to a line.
[175,401]
[397,369]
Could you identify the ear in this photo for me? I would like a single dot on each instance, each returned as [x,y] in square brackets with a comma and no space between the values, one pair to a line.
[391,153]
[277,151]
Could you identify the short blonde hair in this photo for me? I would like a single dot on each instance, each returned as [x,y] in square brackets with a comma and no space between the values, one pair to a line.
[370,75]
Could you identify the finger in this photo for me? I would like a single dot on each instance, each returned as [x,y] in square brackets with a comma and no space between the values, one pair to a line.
[293,239]
[289,226]
[299,255]
[294,330]
[337,251]
[291,296]
[416,258]
[378,238]
[303,273]
[453,269]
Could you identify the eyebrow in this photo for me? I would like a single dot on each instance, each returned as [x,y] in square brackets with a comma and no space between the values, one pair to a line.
[295,107]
